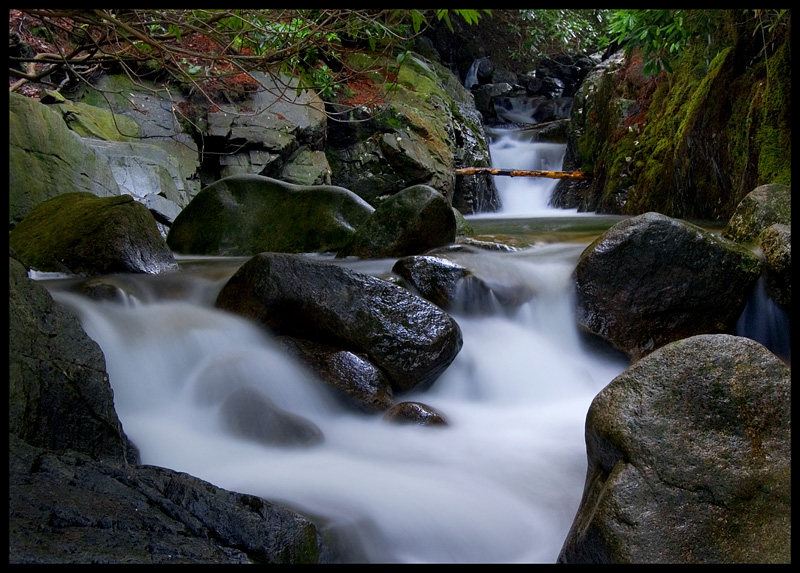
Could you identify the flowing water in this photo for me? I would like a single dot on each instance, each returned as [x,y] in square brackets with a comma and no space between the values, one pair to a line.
[501,483]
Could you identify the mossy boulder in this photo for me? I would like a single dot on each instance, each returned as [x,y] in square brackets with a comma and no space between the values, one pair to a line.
[79,233]
[776,243]
[650,280]
[763,206]
[243,215]
[408,223]
[689,455]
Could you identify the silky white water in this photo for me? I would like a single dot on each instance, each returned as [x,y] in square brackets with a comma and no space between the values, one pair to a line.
[500,483]
[526,196]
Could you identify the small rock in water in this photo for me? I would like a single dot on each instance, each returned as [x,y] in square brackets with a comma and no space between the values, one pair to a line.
[415,413]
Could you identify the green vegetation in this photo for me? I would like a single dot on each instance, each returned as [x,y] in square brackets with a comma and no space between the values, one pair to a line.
[215,50]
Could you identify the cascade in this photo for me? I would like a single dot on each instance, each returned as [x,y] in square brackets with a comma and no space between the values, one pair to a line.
[525,196]
[499,484]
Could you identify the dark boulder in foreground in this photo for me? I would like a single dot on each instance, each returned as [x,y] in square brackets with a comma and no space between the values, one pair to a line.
[411,340]
[689,456]
[76,493]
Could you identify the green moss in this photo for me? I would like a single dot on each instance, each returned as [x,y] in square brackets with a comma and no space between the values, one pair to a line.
[774,134]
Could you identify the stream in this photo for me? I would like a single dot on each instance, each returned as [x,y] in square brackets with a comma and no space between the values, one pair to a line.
[499,484]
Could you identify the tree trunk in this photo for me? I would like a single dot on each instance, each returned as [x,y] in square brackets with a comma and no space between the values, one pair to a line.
[524,173]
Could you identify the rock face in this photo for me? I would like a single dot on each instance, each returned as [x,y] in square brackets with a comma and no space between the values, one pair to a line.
[76,494]
[59,395]
[421,127]
[243,215]
[409,339]
[46,159]
[414,220]
[689,459]
[79,233]
[651,279]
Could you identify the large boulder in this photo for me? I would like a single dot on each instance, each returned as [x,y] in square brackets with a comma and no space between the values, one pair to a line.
[689,456]
[79,233]
[76,493]
[46,159]
[243,215]
[59,395]
[762,207]
[410,222]
[411,340]
[651,279]
[65,507]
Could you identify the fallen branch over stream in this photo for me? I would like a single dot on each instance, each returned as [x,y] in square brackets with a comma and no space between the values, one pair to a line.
[524,173]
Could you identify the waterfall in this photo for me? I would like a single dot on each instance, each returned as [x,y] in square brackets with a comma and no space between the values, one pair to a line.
[500,483]
[526,196]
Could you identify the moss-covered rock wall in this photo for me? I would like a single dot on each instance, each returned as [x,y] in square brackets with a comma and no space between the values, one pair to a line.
[693,143]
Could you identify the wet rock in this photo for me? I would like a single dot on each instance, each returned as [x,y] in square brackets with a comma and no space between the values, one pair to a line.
[415,413]
[689,459]
[59,395]
[411,340]
[80,233]
[354,380]
[651,279]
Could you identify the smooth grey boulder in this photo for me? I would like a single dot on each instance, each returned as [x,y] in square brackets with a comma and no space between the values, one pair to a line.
[689,456]
[243,215]
[411,340]
[652,279]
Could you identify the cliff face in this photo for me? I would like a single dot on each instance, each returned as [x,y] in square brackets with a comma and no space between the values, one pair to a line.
[689,144]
